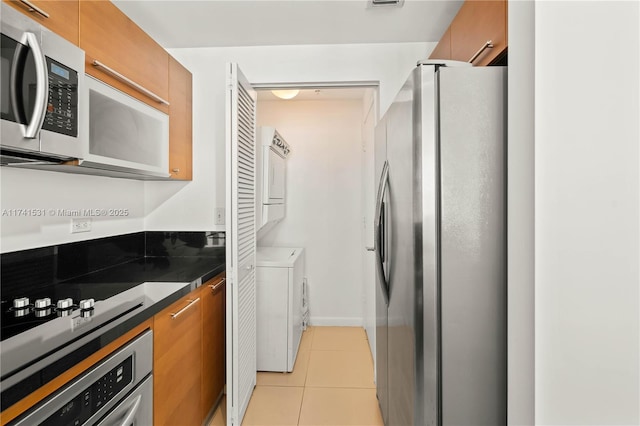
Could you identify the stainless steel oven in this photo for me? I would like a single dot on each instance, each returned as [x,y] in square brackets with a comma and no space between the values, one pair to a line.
[116,391]
[41,75]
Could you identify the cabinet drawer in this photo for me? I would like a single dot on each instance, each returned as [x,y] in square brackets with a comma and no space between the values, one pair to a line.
[108,36]
[62,15]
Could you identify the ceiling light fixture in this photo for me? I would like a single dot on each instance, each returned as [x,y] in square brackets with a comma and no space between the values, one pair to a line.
[286,94]
[378,3]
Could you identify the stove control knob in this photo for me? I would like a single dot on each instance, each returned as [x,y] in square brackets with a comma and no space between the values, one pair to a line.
[65,303]
[86,304]
[21,303]
[43,303]
[20,312]
[41,313]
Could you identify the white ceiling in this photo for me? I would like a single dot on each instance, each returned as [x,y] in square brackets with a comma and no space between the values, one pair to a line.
[216,23]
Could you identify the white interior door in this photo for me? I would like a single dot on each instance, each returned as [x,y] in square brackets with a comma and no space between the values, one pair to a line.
[241,243]
[369,181]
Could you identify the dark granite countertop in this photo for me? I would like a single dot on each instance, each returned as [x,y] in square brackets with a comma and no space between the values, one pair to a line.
[156,269]
[193,271]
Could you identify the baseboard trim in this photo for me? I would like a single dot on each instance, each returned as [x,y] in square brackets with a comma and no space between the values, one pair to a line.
[336,321]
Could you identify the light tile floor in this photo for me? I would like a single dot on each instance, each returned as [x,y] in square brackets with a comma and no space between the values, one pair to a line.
[331,384]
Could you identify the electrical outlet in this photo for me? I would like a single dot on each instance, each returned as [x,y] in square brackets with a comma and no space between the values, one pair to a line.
[219,216]
[80,225]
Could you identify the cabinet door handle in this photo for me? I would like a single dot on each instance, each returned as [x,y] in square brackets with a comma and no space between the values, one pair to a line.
[33,8]
[487,45]
[130,82]
[217,286]
[191,303]
[176,171]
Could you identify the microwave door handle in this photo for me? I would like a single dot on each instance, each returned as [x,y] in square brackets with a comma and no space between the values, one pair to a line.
[131,414]
[42,87]
[15,82]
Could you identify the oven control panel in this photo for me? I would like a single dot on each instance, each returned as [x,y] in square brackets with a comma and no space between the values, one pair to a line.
[84,405]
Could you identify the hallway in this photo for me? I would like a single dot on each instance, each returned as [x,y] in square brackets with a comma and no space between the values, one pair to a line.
[331,384]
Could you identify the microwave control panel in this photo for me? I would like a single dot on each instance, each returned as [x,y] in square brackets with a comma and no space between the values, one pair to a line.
[62,106]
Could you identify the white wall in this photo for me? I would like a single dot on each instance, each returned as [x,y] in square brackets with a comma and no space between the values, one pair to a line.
[587,191]
[388,63]
[323,201]
[520,232]
[49,191]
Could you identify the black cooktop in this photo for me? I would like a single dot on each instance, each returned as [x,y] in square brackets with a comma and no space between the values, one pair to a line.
[16,320]
[38,305]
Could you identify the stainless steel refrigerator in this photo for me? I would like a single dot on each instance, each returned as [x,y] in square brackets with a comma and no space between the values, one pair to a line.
[440,152]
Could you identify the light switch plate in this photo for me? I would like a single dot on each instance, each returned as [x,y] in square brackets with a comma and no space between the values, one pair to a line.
[219,216]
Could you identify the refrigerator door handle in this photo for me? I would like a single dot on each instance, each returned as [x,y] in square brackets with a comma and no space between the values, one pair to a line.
[380,229]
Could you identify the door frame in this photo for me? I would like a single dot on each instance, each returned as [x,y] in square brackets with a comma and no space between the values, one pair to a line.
[375,85]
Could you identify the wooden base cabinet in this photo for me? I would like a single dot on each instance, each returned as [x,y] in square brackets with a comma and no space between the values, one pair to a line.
[189,371]
[213,295]
[177,356]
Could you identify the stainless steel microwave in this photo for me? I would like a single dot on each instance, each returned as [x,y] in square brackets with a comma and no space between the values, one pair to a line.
[122,134]
[42,75]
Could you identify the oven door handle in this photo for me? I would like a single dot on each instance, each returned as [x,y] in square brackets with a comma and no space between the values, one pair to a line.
[131,414]
[42,87]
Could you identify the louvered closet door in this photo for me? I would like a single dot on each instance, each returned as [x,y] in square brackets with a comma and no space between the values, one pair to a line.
[241,244]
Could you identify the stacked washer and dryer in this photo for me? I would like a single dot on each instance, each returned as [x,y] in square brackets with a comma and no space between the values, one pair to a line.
[281,305]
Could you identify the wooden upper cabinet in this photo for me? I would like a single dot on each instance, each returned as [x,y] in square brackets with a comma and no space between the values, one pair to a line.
[476,23]
[62,19]
[443,49]
[180,121]
[107,35]
[177,359]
